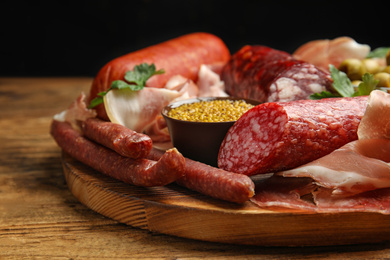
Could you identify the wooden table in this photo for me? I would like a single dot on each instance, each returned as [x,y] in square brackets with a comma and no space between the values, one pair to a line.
[40,218]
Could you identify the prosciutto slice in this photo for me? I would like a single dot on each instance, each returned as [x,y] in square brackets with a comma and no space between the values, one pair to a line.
[323,52]
[356,167]
[143,108]
[355,177]
[76,112]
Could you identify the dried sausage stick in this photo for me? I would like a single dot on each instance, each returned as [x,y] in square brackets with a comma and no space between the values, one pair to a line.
[282,135]
[179,56]
[119,138]
[212,181]
[140,172]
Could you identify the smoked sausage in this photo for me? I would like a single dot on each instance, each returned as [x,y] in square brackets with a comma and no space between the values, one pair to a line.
[277,136]
[214,182]
[117,137]
[180,56]
[267,75]
[140,172]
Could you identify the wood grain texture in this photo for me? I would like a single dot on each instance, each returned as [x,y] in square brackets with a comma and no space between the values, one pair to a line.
[177,211]
[41,219]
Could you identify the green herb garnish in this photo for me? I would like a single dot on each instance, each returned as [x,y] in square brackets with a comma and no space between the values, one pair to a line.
[323,94]
[367,85]
[344,87]
[378,52]
[136,80]
[341,83]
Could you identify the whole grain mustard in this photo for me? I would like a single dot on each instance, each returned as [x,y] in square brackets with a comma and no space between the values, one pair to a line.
[211,111]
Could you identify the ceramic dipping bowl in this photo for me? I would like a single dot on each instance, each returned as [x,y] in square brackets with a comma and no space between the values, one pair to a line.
[199,141]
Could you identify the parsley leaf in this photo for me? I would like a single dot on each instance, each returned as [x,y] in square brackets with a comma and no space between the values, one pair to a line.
[367,85]
[378,52]
[341,83]
[344,87]
[136,80]
[141,74]
[323,94]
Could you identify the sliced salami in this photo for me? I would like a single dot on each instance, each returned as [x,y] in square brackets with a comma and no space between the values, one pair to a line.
[282,135]
[265,74]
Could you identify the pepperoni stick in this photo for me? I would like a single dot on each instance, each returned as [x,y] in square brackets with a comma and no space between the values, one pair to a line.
[282,135]
[212,181]
[179,56]
[140,172]
[119,138]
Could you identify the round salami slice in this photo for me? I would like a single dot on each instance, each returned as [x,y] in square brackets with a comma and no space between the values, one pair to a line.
[282,135]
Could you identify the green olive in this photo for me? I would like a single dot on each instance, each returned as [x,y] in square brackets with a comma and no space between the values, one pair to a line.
[386,69]
[371,65]
[384,79]
[354,68]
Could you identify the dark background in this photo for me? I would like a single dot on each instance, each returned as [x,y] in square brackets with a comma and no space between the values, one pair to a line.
[76,38]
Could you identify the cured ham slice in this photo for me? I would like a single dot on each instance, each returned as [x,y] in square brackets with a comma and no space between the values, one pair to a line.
[373,124]
[321,53]
[355,177]
[76,112]
[209,83]
[356,167]
[138,110]
[141,110]
[302,195]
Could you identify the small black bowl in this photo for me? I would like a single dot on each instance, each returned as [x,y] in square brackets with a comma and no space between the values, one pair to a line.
[199,141]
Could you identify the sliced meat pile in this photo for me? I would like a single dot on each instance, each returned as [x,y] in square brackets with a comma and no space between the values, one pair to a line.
[355,177]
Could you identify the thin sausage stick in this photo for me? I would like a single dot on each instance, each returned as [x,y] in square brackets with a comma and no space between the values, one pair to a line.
[214,182]
[140,172]
[119,138]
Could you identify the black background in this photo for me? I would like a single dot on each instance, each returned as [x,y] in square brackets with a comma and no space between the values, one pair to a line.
[76,38]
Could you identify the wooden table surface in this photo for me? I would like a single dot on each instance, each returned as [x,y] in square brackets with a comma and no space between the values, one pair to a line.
[40,218]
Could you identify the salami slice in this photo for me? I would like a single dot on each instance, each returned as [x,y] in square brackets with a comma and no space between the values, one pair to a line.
[282,135]
[267,75]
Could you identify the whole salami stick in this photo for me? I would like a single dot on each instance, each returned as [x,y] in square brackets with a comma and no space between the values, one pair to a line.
[140,172]
[277,136]
[119,138]
[212,181]
[265,74]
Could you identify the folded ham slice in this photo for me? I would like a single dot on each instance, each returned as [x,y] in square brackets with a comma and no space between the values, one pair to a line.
[323,52]
[355,177]
[356,167]
[141,110]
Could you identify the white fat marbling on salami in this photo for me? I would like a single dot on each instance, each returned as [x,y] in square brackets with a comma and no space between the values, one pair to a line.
[255,133]
[281,135]
[298,82]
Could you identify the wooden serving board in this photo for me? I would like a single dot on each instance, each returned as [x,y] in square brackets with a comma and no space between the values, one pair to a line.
[177,211]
